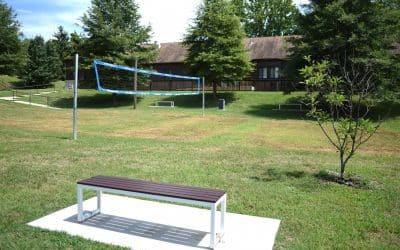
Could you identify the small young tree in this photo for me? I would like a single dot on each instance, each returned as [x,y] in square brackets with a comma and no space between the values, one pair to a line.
[216,44]
[340,105]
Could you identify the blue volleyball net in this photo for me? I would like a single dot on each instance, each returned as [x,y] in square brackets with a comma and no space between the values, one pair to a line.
[119,79]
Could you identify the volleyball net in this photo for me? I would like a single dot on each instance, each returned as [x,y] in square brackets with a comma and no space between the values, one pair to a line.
[118,79]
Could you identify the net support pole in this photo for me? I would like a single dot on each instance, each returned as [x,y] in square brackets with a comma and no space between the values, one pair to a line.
[75,114]
[203,96]
[135,85]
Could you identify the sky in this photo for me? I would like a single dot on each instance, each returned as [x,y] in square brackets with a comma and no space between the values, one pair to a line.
[169,19]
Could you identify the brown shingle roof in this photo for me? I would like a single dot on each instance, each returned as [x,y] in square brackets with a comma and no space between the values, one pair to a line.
[274,47]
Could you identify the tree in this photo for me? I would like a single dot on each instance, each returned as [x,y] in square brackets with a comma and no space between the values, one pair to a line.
[77,43]
[268,17]
[363,31]
[240,9]
[63,49]
[9,40]
[114,31]
[216,44]
[340,105]
[55,64]
[40,69]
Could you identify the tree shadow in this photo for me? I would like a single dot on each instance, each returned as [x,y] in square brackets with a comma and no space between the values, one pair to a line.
[97,101]
[351,181]
[384,111]
[273,174]
[272,111]
[196,100]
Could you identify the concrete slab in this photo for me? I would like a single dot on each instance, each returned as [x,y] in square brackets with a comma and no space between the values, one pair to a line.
[150,225]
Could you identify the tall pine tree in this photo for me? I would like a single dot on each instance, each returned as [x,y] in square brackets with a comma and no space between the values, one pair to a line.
[9,41]
[115,33]
[39,69]
[216,44]
[360,31]
[63,48]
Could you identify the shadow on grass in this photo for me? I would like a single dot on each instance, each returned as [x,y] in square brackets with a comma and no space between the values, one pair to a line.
[352,181]
[97,101]
[274,175]
[195,101]
[271,110]
[385,110]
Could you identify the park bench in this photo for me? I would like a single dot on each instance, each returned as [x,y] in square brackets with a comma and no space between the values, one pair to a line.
[210,198]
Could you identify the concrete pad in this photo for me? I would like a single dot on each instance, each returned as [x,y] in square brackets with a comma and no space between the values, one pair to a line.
[149,225]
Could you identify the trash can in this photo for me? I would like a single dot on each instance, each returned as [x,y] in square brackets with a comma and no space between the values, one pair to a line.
[221,104]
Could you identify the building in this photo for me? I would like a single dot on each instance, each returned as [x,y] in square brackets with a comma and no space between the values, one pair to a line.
[268,54]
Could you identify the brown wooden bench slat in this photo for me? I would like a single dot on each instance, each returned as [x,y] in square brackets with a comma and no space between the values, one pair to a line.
[138,183]
[176,191]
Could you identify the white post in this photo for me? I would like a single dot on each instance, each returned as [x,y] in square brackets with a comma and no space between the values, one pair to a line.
[212,228]
[223,211]
[80,201]
[135,85]
[204,99]
[75,130]
[99,200]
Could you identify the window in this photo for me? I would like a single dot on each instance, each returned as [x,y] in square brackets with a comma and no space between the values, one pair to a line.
[268,73]
[262,73]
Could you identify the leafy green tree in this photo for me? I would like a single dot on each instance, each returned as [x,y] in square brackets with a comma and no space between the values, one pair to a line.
[39,69]
[216,44]
[268,17]
[240,9]
[340,105]
[63,48]
[363,31]
[9,40]
[114,31]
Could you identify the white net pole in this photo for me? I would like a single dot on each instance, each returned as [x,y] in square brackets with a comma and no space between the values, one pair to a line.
[203,97]
[75,115]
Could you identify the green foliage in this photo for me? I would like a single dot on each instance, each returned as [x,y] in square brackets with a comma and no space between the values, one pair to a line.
[43,63]
[340,104]
[115,33]
[216,44]
[358,30]
[63,49]
[9,41]
[270,18]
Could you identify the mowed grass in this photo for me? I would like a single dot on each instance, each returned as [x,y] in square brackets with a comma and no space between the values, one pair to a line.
[266,160]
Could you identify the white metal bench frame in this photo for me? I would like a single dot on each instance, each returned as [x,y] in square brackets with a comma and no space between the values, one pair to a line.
[214,236]
[171,104]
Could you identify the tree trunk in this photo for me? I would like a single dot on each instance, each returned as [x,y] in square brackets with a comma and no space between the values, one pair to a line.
[342,166]
[114,99]
[214,90]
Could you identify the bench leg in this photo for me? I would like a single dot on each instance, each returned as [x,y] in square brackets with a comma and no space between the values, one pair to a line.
[87,214]
[98,201]
[223,211]
[80,205]
[212,231]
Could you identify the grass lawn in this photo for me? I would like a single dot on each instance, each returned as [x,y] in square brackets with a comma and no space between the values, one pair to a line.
[266,160]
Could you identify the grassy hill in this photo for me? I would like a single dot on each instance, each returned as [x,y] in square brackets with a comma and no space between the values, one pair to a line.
[268,161]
